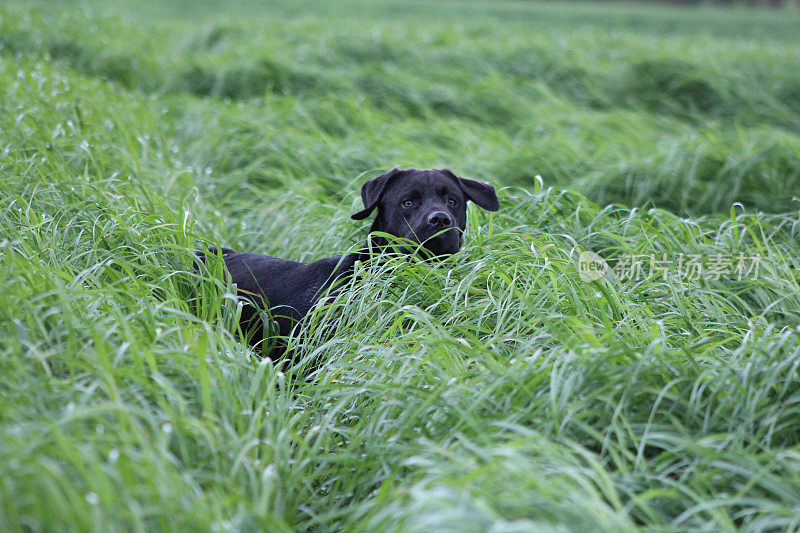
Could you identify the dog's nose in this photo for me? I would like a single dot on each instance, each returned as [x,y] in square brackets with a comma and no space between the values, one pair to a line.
[440,219]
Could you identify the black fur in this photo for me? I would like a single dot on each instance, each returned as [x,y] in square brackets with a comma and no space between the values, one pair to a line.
[427,207]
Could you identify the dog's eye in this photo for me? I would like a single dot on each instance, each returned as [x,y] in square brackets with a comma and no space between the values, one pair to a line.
[451,202]
[408,203]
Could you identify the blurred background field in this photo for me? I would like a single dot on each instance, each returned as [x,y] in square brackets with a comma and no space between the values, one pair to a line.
[688,109]
[496,391]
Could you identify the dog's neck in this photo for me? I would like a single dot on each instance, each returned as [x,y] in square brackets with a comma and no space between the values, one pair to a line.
[368,253]
[373,246]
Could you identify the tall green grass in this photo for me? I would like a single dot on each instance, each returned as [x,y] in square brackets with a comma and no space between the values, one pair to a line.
[624,111]
[494,390]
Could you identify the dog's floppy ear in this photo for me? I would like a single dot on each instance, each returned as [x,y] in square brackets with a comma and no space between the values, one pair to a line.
[481,193]
[372,191]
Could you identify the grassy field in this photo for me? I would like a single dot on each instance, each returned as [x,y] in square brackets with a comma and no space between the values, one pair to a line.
[496,390]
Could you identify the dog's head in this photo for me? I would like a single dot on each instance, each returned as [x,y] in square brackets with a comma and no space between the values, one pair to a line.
[428,207]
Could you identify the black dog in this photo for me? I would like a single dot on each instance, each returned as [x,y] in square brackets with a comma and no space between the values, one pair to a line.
[427,207]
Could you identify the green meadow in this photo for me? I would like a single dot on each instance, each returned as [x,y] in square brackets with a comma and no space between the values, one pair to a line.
[502,389]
